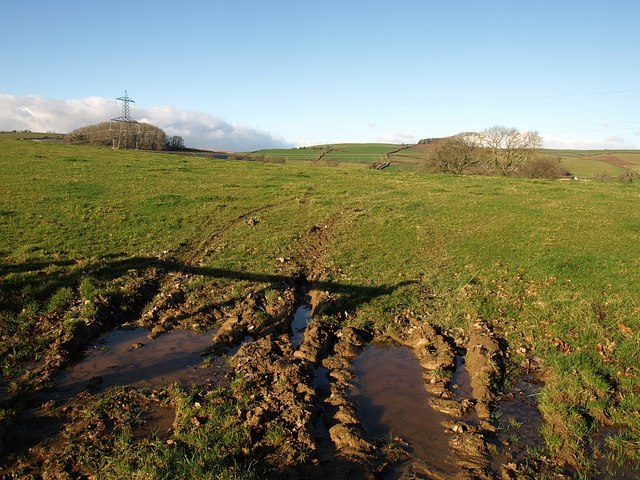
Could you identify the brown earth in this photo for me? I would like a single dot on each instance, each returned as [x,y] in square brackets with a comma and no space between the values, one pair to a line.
[302,392]
[612,159]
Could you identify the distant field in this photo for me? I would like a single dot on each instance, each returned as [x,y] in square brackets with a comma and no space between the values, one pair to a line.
[596,163]
[586,164]
[347,153]
[581,163]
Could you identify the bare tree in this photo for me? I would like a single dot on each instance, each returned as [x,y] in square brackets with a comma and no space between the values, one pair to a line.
[144,135]
[457,154]
[510,148]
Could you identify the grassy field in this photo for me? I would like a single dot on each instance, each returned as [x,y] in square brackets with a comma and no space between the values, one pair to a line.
[551,266]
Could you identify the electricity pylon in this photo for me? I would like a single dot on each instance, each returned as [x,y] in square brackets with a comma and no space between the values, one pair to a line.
[125,122]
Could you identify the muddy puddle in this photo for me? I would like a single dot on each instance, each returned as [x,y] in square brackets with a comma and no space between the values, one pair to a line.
[461,380]
[519,422]
[607,442]
[302,315]
[129,357]
[391,401]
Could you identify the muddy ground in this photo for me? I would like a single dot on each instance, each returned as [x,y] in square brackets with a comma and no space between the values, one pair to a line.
[309,390]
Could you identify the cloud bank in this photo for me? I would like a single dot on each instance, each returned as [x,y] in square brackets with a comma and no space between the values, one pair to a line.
[199,130]
[612,142]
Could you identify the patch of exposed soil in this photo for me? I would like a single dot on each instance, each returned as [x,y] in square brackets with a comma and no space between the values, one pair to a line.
[324,400]
[612,159]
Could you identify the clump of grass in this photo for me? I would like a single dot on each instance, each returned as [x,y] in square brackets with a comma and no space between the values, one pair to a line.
[60,301]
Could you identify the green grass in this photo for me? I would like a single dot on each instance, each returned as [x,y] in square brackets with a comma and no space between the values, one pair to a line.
[344,153]
[589,168]
[552,266]
[581,163]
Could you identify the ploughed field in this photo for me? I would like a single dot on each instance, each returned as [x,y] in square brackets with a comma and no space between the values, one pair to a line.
[169,316]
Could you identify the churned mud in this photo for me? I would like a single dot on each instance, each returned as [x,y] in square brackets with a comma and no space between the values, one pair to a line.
[320,398]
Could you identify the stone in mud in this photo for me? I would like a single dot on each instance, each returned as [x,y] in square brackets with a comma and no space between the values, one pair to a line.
[470,444]
[340,377]
[353,336]
[346,415]
[336,397]
[255,418]
[335,362]
[449,406]
[156,331]
[350,344]
[306,391]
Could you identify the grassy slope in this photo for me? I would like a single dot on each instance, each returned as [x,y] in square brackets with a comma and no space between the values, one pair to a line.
[551,265]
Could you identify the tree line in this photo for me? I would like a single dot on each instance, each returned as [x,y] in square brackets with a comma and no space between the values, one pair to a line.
[495,151]
[142,136]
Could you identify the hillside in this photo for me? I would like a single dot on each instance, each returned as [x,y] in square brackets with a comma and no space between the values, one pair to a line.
[580,163]
[176,282]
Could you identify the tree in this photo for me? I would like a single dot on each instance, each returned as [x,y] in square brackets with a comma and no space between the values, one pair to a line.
[510,148]
[141,135]
[457,154]
[175,143]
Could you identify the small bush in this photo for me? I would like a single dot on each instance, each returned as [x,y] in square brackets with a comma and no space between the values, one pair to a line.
[543,167]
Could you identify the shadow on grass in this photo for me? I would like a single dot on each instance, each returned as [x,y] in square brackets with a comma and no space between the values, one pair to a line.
[30,281]
[20,283]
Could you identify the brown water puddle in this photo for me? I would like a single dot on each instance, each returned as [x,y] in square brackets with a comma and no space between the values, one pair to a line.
[608,466]
[301,319]
[519,422]
[391,400]
[461,380]
[302,315]
[157,420]
[129,357]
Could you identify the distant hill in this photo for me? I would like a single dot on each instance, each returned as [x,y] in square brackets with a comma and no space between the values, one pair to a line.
[580,163]
[143,136]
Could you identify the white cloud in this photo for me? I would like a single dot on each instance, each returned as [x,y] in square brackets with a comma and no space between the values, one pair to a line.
[398,138]
[199,130]
[610,142]
[614,139]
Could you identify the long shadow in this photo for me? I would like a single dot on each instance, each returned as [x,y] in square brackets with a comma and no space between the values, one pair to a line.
[42,285]
[33,281]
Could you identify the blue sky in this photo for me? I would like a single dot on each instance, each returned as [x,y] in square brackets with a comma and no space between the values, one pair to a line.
[249,74]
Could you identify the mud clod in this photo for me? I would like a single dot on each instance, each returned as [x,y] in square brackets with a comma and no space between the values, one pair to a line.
[432,349]
[484,361]
[315,345]
[348,441]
